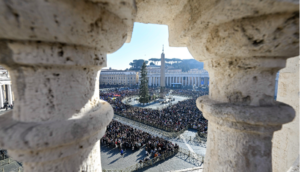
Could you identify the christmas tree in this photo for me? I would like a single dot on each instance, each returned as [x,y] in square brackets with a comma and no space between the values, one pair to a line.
[143,90]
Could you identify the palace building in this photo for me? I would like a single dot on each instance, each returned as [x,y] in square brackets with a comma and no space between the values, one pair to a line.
[173,76]
[197,77]
[118,77]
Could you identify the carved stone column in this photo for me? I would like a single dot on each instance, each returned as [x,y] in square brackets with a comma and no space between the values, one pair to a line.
[240,108]
[242,114]
[54,51]
[243,44]
[10,101]
[1,97]
[58,117]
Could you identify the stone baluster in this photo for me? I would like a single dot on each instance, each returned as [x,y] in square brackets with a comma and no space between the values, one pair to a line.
[243,44]
[54,51]
[240,108]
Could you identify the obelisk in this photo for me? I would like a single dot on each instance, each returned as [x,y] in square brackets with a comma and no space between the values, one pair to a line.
[162,74]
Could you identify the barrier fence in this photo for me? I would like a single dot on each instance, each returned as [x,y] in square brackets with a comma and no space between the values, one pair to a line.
[182,153]
[148,127]
[6,162]
[169,133]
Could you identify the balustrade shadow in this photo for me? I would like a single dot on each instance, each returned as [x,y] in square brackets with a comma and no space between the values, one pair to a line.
[187,156]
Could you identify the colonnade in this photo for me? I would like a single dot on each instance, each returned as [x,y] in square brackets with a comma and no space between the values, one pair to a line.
[154,81]
[6,94]
[54,61]
[185,81]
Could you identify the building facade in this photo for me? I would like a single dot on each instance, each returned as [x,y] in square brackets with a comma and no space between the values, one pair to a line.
[118,77]
[197,77]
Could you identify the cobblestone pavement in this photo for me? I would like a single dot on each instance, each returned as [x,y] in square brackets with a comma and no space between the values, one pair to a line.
[155,105]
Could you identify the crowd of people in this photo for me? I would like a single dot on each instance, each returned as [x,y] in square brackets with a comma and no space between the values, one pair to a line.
[125,137]
[175,117]
[116,86]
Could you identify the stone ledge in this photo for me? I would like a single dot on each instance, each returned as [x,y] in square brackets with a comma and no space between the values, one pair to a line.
[83,131]
[246,116]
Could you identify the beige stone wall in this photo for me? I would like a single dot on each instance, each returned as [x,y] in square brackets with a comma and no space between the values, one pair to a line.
[286,140]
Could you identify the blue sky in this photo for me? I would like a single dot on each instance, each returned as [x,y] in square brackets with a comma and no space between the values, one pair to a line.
[146,42]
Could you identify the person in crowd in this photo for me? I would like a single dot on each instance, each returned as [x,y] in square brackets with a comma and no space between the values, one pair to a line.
[123,136]
[122,153]
[175,117]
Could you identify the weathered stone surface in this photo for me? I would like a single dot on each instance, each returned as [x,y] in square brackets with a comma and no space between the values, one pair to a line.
[242,47]
[158,11]
[55,73]
[247,81]
[69,21]
[286,141]
[240,137]
[199,19]
[295,167]
[54,49]
[58,117]
[124,9]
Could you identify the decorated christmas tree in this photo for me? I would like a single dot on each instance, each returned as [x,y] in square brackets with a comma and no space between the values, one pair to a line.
[143,90]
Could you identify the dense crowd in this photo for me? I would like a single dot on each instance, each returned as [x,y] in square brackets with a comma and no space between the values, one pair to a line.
[175,117]
[125,137]
[102,86]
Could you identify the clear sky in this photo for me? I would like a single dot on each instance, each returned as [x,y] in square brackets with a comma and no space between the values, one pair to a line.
[146,42]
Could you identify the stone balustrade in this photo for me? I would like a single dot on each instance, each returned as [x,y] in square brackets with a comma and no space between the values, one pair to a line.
[55,49]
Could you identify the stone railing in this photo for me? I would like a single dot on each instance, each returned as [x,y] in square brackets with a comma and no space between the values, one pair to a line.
[187,155]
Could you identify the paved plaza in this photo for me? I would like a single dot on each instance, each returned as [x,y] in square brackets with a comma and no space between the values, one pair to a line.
[111,159]
[2,111]
[154,105]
